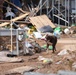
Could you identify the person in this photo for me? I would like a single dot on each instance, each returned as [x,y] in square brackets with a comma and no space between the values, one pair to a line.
[51,40]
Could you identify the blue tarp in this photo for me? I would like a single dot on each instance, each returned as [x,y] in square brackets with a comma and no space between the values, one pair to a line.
[17,3]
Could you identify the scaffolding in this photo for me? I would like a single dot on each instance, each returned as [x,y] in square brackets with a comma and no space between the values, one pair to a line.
[63,12]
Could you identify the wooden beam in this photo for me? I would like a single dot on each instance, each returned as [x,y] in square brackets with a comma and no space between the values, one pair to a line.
[13,20]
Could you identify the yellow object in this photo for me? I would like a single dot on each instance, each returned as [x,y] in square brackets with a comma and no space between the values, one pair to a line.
[45,61]
[30,31]
[33,28]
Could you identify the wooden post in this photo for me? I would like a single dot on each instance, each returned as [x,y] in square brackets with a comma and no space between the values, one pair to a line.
[11,36]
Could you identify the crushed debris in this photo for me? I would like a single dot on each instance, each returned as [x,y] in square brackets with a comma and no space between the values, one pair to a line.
[30,29]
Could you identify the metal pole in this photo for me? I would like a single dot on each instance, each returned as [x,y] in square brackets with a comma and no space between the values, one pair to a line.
[65,12]
[53,10]
[47,7]
[58,12]
[40,6]
[11,37]
[17,44]
[68,12]
[75,12]
[50,11]
[61,18]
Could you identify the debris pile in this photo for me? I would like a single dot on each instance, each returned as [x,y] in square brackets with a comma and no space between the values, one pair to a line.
[26,32]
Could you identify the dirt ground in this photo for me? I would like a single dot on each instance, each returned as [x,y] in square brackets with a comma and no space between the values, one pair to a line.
[44,68]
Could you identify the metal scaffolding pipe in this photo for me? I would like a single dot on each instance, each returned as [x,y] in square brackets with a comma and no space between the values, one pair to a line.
[40,6]
[47,6]
[58,12]
[75,12]
[53,10]
[65,12]
[68,13]
[61,18]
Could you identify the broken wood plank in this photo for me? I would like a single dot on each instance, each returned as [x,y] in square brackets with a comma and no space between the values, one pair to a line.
[35,22]
[13,20]
[41,21]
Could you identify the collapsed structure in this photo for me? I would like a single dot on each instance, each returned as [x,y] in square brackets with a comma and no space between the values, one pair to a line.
[31,12]
[59,11]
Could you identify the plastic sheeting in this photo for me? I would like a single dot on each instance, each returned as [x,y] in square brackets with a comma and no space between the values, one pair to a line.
[46,29]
